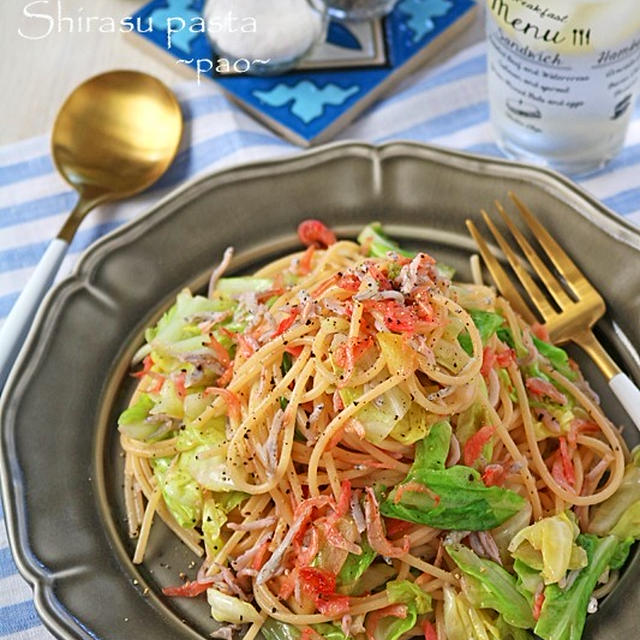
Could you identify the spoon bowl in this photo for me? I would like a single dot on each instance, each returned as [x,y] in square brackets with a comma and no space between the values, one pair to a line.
[115,135]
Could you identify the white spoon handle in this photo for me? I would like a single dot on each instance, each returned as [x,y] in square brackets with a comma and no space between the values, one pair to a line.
[18,322]
[628,394]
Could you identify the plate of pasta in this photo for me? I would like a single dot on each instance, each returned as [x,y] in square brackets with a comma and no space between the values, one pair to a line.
[296,430]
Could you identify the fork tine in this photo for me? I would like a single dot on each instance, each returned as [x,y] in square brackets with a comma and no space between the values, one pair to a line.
[562,262]
[539,298]
[552,283]
[499,275]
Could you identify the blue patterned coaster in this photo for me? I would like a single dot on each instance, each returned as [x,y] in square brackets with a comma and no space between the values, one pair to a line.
[355,66]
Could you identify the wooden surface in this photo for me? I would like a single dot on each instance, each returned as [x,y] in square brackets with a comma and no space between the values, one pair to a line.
[38,73]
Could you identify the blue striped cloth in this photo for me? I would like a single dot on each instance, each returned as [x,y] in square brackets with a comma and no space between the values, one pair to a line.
[446,105]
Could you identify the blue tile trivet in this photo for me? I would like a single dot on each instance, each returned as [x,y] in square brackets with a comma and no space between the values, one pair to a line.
[356,65]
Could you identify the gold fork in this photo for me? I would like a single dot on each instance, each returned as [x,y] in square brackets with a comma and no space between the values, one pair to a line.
[576,315]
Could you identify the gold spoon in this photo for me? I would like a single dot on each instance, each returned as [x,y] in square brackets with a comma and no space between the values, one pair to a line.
[115,135]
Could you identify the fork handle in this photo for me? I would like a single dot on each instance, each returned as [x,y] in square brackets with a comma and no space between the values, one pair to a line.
[621,385]
[628,394]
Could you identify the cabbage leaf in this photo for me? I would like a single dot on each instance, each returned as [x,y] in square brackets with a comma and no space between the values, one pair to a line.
[409,593]
[181,493]
[169,402]
[380,417]
[392,627]
[273,629]
[379,244]
[213,518]
[209,470]
[452,498]
[620,514]
[503,534]
[177,333]
[242,284]
[507,632]
[488,586]
[558,357]
[133,420]
[549,546]
[564,611]
[528,581]
[462,621]
[195,434]
[414,425]
[226,608]
[487,323]
[354,567]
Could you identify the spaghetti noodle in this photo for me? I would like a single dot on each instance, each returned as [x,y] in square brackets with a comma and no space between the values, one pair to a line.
[359,446]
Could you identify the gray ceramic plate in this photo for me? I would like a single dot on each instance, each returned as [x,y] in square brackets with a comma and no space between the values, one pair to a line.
[61,467]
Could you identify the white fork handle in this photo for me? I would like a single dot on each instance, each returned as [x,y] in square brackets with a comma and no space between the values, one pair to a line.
[628,394]
[18,322]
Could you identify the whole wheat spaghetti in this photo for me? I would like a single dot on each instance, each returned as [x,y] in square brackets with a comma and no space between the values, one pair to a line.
[357,445]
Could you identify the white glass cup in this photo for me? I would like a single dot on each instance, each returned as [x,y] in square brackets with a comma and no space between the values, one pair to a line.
[563,78]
